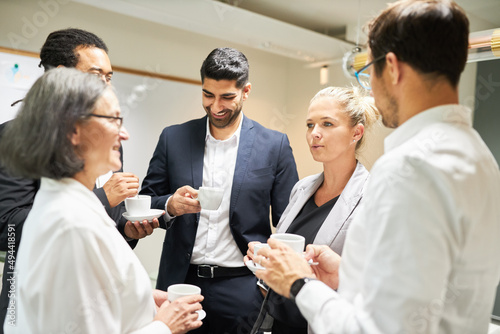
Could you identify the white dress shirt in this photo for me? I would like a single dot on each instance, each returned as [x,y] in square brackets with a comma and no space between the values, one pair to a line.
[421,256]
[214,241]
[75,272]
[101,180]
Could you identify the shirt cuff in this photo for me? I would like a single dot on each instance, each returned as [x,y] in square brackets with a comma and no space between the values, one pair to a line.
[166,216]
[311,298]
[159,327]
[156,327]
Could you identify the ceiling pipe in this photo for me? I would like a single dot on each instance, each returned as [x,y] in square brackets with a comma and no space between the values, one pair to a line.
[483,45]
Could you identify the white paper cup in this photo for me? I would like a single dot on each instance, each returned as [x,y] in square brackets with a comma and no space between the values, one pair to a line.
[210,198]
[138,205]
[294,241]
[176,291]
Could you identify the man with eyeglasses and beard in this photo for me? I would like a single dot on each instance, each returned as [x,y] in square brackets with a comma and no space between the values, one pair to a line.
[417,258]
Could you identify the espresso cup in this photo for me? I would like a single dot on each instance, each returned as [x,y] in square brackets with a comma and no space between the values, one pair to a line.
[294,241]
[176,291]
[138,205]
[210,198]
[256,248]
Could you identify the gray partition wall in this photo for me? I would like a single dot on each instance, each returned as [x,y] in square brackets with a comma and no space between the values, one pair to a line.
[487,104]
[487,122]
[496,308]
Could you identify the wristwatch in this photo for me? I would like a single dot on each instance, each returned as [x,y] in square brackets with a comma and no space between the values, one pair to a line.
[297,286]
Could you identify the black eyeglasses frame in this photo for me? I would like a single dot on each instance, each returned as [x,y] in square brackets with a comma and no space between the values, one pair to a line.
[119,119]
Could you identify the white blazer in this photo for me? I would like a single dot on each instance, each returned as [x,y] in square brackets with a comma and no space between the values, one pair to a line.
[334,228]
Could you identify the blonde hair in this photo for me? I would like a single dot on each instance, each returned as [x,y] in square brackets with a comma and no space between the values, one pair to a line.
[357,104]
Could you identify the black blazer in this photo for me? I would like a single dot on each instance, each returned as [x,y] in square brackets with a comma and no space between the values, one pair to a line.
[264,176]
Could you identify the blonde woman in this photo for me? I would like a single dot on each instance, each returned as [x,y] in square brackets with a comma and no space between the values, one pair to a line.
[322,206]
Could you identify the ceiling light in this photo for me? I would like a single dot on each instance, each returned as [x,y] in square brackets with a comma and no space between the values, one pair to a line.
[323,75]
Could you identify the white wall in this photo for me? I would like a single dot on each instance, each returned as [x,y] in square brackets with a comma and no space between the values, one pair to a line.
[142,45]
[279,99]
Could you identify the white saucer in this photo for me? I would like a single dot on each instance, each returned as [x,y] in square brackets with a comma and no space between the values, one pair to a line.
[311,263]
[152,213]
[201,314]
[254,267]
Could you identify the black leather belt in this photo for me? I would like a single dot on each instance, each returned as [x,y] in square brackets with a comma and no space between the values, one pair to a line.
[211,271]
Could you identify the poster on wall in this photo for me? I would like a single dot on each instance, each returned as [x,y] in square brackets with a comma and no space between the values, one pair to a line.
[17,75]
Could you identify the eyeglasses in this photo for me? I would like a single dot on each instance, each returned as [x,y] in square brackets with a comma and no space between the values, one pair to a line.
[363,77]
[104,77]
[119,120]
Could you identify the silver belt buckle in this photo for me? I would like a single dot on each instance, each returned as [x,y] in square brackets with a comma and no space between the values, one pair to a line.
[206,266]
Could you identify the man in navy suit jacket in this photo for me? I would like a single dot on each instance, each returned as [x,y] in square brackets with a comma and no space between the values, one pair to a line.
[256,169]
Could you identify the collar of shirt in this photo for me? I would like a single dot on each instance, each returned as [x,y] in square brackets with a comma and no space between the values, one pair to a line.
[69,184]
[450,113]
[235,136]
[101,180]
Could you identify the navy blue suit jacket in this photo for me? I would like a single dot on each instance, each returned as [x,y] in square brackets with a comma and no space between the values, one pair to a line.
[264,176]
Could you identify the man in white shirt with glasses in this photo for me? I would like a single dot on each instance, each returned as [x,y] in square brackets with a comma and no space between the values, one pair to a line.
[417,257]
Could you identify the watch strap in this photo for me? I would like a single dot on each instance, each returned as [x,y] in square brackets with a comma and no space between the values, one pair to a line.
[297,286]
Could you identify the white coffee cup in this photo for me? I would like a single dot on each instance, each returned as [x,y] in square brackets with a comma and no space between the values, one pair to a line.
[176,291]
[210,198]
[138,205]
[256,248]
[294,241]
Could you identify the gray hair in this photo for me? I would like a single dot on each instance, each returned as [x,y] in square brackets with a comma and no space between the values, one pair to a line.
[358,106]
[37,143]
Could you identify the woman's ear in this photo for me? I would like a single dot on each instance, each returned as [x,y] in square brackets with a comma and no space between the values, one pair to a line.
[75,136]
[359,130]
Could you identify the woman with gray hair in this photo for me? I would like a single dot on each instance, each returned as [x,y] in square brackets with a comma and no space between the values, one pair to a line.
[322,206]
[75,273]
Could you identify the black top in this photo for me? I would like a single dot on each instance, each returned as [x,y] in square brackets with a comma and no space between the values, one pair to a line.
[310,218]
[287,317]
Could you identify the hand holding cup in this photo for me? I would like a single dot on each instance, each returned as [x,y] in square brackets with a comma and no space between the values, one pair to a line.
[283,266]
[183,201]
[181,315]
[210,198]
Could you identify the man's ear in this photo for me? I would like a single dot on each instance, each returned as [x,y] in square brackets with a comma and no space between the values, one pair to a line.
[394,67]
[246,90]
